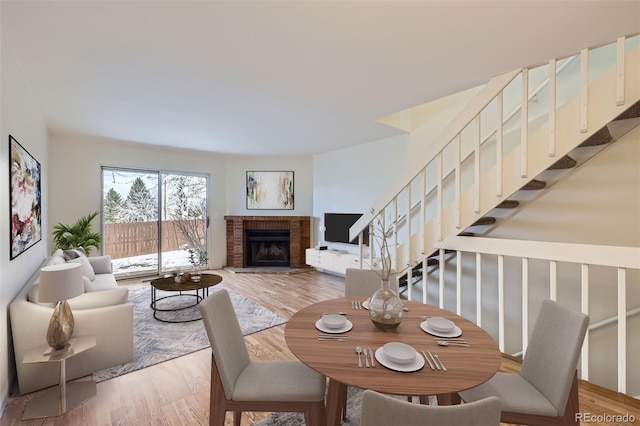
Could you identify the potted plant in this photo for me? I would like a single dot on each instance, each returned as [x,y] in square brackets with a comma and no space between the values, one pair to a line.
[198,259]
[80,234]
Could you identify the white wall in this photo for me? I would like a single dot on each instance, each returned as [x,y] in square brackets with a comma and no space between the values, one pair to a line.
[238,166]
[21,118]
[351,180]
[75,180]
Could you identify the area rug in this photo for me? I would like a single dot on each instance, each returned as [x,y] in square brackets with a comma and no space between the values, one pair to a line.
[155,341]
[354,400]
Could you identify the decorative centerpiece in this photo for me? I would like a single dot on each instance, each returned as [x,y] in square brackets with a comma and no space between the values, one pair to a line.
[197,258]
[183,278]
[385,306]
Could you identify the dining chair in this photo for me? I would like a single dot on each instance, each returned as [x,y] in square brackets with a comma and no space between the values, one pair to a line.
[546,389]
[240,384]
[382,410]
[364,282]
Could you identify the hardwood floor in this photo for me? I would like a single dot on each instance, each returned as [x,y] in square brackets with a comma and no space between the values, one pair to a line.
[176,392]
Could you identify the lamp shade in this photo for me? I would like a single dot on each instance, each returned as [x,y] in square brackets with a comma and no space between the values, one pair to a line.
[60,282]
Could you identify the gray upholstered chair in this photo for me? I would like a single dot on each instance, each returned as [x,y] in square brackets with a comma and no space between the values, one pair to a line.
[364,282]
[546,390]
[239,384]
[383,410]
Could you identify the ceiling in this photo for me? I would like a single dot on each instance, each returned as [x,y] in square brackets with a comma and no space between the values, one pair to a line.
[276,78]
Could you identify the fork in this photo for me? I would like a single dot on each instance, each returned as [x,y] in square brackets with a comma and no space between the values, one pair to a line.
[445,343]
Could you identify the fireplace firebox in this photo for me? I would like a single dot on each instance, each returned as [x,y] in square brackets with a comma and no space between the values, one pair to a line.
[267,247]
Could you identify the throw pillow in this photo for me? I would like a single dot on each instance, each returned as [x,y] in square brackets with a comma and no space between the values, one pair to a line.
[70,254]
[88,285]
[73,253]
[87,269]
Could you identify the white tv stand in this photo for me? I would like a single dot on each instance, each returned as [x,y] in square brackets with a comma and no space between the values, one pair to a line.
[332,261]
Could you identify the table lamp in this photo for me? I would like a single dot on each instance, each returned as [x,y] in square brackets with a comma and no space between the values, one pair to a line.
[57,284]
[322,230]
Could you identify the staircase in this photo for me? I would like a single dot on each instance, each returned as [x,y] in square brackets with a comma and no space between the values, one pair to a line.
[556,171]
[498,154]
[475,173]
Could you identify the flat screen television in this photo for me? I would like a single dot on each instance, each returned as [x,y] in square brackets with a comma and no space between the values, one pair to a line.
[337,227]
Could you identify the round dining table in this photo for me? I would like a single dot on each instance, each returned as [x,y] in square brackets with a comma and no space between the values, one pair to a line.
[466,366]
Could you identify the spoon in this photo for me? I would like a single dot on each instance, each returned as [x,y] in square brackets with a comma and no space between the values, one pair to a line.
[435,355]
[359,351]
[443,343]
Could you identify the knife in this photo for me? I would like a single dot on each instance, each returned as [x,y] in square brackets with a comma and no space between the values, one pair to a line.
[428,360]
[436,363]
[373,363]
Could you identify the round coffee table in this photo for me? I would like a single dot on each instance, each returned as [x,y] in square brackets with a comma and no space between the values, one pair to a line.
[201,289]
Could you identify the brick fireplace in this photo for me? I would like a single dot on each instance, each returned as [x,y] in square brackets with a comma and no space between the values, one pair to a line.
[297,227]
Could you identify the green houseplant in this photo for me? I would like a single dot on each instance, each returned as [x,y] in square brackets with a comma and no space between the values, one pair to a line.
[80,234]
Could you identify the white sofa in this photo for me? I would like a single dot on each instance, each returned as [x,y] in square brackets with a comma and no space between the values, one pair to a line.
[103,311]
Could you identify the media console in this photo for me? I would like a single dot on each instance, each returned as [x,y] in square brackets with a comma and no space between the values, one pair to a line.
[332,261]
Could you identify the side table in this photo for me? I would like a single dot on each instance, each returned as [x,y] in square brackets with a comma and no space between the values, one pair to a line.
[62,398]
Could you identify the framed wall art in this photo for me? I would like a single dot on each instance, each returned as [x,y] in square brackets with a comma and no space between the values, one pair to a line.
[269,190]
[25,204]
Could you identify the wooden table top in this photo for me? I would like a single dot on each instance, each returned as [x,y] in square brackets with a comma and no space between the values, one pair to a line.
[170,284]
[467,366]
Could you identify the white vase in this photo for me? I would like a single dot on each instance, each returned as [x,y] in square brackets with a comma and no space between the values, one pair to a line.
[196,273]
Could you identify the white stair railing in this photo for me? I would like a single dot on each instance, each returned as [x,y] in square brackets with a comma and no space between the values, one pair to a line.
[485,156]
[622,260]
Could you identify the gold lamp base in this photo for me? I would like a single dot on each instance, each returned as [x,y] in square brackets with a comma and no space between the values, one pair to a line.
[60,326]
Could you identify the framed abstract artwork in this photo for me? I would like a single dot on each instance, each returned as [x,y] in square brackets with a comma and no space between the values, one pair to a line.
[26,204]
[269,190]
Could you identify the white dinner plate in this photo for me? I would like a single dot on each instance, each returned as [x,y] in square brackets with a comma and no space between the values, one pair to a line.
[347,326]
[416,365]
[456,332]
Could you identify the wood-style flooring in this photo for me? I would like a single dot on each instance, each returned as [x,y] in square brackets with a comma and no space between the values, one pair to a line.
[176,392]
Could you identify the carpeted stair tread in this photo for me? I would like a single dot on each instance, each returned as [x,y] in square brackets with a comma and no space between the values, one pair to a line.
[533,185]
[508,204]
[487,220]
[600,137]
[565,162]
[432,261]
[632,112]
